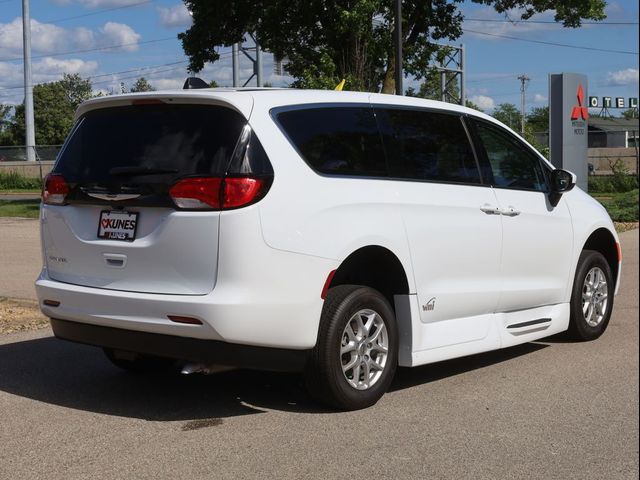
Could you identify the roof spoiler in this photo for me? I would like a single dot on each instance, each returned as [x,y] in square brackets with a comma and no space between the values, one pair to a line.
[193,83]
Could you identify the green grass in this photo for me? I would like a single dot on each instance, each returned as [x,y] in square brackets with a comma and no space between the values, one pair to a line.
[20,208]
[12,181]
[35,191]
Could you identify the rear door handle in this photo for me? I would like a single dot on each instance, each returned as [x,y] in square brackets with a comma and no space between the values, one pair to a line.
[491,209]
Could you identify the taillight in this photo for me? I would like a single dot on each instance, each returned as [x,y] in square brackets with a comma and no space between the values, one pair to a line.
[241,191]
[55,189]
[197,193]
[217,193]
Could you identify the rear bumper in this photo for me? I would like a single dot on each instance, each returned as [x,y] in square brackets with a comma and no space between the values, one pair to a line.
[182,348]
[234,313]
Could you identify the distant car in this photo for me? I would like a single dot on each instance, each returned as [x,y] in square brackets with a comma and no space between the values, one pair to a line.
[335,233]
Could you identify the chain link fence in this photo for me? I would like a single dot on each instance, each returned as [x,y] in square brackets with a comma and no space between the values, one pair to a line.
[13,162]
[43,153]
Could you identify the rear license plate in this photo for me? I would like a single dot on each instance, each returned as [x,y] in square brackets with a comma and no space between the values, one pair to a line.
[118,225]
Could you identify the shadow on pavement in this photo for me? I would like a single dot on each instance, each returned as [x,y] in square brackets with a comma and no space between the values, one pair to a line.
[80,377]
[410,377]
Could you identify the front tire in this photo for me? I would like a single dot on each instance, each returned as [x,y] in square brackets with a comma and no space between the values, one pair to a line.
[355,357]
[591,298]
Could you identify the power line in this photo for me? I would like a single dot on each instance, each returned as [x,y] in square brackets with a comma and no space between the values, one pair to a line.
[100,82]
[98,12]
[96,49]
[551,22]
[554,44]
[492,78]
[140,71]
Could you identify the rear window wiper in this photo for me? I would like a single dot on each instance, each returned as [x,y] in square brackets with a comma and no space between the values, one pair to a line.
[138,170]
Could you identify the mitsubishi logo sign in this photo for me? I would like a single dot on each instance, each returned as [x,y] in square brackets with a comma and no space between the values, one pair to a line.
[568,117]
[580,111]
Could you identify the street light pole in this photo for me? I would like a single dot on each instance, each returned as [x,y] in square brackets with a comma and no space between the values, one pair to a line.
[28,84]
[398,42]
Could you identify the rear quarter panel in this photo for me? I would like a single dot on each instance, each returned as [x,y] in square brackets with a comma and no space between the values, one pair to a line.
[328,217]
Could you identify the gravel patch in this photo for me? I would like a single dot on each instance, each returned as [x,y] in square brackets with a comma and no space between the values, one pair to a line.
[625,226]
[20,316]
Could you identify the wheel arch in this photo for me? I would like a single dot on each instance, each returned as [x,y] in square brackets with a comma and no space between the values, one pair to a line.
[376,267]
[603,241]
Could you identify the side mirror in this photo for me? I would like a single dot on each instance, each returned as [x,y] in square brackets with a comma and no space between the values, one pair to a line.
[562,181]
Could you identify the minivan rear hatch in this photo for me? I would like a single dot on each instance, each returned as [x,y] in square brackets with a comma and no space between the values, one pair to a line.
[117,225]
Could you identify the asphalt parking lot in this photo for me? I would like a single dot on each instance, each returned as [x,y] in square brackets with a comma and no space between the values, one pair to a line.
[549,409]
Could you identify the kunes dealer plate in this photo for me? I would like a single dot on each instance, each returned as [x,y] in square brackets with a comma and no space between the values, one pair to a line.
[118,225]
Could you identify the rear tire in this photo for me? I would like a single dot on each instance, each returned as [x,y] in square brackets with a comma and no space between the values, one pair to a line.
[591,297]
[138,363]
[355,357]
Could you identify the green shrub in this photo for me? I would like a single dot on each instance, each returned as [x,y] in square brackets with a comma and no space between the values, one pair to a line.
[612,183]
[621,180]
[600,184]
[623,207]
[15,181]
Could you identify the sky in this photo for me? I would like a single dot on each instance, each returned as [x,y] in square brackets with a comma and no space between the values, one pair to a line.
[114,41]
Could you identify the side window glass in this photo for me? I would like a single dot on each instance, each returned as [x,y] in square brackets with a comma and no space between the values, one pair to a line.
[425,145]
[337,140]
[512,163]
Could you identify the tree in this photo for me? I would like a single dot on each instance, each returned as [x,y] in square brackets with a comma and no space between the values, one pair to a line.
[508,114]
[538,119]
[6,120]
[54,105]
[630,113]
[141,85]
[325,41]
[470,104]
[431,86]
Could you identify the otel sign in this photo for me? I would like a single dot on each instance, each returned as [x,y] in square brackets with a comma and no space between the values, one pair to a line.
[607,102]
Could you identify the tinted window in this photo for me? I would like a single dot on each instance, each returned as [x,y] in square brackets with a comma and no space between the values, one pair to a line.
[336,140]
[512,163]
[177,140]
[426,145]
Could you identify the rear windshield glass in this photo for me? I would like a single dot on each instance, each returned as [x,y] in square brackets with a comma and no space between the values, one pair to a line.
[147,141]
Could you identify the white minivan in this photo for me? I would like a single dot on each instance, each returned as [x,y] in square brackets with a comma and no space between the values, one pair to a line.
[339,234]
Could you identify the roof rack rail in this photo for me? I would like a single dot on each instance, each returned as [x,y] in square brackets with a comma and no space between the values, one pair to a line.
[194,82]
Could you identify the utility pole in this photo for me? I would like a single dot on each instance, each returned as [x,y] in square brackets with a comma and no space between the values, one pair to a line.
[523,91]
[398,41]
[235,48]
[28,83]
[258,64]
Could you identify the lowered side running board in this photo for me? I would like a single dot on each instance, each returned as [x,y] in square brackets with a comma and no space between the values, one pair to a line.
[530,323]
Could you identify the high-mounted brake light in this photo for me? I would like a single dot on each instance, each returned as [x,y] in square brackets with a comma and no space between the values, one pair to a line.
[55,189]
[206,193]
[147,101]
